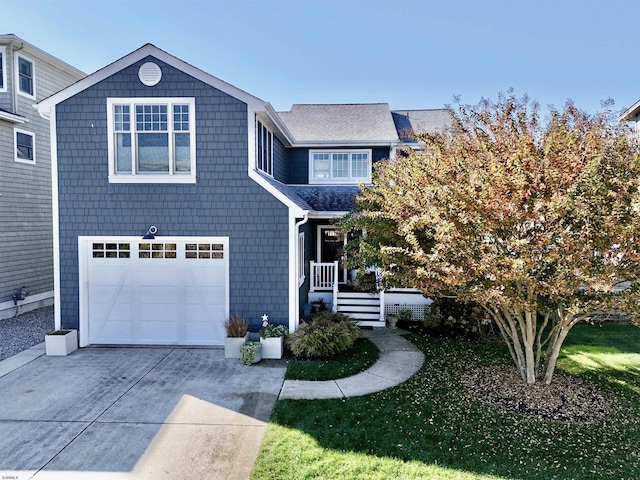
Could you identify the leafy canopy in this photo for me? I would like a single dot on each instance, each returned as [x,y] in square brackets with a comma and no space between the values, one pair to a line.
[528,217]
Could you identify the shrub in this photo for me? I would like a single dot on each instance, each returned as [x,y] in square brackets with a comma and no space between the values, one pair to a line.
[430,318]
[271,331]
[326,336]
[236,327]
[405,315]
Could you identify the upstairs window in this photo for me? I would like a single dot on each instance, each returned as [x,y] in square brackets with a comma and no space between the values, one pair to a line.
[339,167]
[26,76]
[25,151]
[264,149]
[151,140]
[3,80]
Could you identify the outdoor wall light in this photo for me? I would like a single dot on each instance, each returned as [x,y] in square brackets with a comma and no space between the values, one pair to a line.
[150,233]
[19,294]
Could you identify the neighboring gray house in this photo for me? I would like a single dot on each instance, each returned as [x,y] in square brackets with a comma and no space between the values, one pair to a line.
[180,200]
[632,117]
[27,75]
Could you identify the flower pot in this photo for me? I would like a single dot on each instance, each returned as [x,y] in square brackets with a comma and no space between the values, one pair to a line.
[232,346]
[61,342]
[250,353]
[272,347]
[392,320]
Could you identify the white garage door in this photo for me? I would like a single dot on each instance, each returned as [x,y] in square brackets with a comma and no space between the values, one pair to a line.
[167,291]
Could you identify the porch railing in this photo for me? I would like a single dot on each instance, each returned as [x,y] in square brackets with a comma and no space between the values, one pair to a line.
[324,276]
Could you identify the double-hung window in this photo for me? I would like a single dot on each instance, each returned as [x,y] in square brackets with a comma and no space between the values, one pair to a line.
[151,140]
[264,149]
[3,69]
[24,146]
[25,76]
[339,166]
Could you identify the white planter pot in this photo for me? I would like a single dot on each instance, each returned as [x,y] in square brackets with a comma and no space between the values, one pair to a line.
[232,346]
[272,347]
[60,345]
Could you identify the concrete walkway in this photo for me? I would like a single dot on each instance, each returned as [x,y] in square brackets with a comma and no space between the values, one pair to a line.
[399,360]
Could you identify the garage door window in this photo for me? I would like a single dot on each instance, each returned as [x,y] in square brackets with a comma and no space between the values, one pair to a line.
[157,250]
[111,250]
[204,250]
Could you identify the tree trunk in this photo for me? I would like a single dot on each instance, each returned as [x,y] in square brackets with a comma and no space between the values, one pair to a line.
[553,351]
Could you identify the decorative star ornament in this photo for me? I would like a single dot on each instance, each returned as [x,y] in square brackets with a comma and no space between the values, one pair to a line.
[265,320]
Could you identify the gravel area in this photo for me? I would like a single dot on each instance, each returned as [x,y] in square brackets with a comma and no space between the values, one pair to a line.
[567,399]
[25,330]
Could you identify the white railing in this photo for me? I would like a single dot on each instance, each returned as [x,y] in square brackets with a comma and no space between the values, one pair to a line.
[324,276]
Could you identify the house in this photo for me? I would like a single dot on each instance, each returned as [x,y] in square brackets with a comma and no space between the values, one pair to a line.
[632,116]
[180,200]
[27,75]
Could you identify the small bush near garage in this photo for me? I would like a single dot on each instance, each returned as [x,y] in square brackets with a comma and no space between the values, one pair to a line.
[327,335]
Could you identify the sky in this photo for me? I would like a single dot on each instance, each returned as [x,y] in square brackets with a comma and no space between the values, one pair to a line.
[410,54]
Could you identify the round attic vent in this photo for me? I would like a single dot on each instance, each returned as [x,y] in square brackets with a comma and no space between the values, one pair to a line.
[150,74]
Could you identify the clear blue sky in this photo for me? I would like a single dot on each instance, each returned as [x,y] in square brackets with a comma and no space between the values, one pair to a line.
[411,54]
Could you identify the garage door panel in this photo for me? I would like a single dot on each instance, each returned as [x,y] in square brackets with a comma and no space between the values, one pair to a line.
[150,300]
[196,331]
[158,333]
[211,275]
[116,332]
[205,295]
[111,274]
[158,294]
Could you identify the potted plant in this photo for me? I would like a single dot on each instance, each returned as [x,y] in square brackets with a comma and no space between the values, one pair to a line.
[237,334]
[61,342]
[250,353]
[272,339]
[392,320]
[318,306]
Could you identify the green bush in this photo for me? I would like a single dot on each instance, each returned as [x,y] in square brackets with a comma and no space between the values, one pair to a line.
[326,336]
[272,331]
[430,318]
[405,315]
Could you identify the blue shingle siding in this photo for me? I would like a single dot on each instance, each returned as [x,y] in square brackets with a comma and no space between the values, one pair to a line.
[279,161]
[298,161]
[223,202]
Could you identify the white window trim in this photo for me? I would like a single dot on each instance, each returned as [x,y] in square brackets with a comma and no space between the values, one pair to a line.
[15,146]
[3,53]
[16,71]
[343,180]
[301,275]
[134,177]
[259,127]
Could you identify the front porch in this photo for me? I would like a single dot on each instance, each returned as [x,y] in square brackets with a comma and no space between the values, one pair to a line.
[369,309]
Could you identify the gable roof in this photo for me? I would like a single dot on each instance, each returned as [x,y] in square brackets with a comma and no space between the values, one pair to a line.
[630,113]
[44,106]
[19,43]
[411,122]
[340,124]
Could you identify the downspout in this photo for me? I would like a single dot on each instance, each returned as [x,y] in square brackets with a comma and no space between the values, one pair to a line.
[296,231]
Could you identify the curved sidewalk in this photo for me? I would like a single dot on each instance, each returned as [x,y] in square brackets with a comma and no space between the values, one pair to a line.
[399,360]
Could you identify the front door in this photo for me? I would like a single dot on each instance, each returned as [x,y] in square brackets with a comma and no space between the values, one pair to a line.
[331,248]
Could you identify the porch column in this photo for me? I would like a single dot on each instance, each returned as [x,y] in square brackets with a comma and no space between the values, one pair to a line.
[334,307]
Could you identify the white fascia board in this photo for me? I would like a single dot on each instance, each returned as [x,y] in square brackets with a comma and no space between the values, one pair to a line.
[630,112]
[347,143]
[56,218]
[255,103]
[287,137]
[18,43]
[294,209]
[326,215]
[10,117]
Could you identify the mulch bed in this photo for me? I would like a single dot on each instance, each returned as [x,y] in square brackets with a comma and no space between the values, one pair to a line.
[566,399]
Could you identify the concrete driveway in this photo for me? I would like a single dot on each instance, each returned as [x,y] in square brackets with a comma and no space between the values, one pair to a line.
[135,413]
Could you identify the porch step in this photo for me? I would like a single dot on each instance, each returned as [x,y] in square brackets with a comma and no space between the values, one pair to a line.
[364,307]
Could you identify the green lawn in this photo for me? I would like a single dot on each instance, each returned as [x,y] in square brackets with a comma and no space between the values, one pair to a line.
[357,359]
[429,427]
